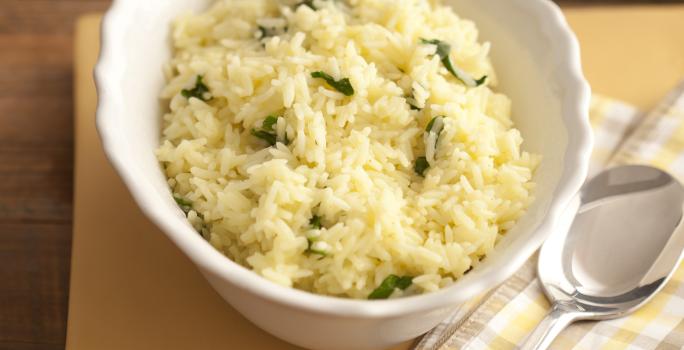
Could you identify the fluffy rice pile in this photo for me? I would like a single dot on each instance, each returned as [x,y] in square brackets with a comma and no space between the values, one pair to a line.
[416,171]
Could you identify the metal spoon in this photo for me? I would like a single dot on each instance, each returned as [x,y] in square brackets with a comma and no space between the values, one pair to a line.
[624,244]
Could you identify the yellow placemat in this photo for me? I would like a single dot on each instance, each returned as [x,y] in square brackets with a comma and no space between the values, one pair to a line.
[132,289]
[634,54]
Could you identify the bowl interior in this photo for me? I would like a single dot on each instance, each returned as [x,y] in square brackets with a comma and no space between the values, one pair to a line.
[531,74]
[533,68]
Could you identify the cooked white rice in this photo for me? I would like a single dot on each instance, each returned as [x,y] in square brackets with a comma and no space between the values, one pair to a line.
[348,159]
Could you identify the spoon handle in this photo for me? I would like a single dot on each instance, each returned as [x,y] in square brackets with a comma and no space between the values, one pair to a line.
[554,322]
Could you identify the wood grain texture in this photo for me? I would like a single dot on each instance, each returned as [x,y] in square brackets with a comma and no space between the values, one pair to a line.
[36,162]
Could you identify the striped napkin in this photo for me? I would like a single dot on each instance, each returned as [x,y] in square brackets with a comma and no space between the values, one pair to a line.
[502,318]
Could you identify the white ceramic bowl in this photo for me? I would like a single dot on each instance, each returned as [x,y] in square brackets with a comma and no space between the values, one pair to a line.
[538,62]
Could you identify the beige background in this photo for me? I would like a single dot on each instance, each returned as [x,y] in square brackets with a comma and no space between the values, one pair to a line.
[132,289]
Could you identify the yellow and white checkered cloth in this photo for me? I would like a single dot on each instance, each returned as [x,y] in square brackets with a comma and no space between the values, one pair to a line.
[502,318]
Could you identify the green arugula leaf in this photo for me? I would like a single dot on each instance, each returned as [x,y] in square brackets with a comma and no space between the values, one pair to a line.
[199,91]
[389,284]
[421,166]
[443,51]
[343,85]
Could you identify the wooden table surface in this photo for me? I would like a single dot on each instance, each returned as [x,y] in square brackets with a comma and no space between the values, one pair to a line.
[36,161]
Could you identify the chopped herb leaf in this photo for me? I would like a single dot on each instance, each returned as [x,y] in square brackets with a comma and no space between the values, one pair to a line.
[184,204]
[343,85]
[421,166]
[199,91]
[265,135]
[313,236]
[319,252]
[266,32]
[431,125]
[404,282]
[267,131]
[308,3]
[269,122]
[443,51]
[443,48]
[409,100]
[320,248]
[463,76]
[436,125]
[389,284]
[315,222]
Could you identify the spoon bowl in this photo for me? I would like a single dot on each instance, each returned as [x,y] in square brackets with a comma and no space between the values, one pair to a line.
[623,240]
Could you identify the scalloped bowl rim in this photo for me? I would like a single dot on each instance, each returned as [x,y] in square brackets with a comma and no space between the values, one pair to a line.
[205,256]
